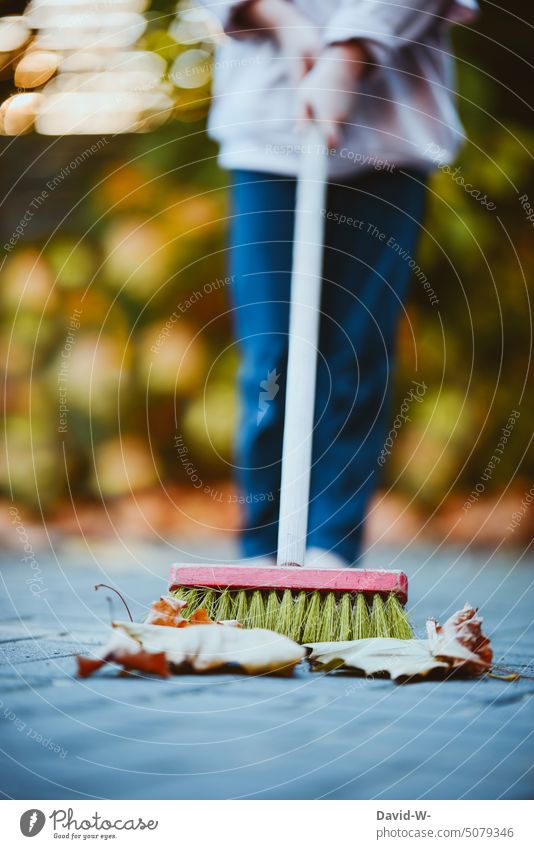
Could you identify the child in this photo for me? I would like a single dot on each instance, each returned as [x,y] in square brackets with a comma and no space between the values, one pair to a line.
[376,77]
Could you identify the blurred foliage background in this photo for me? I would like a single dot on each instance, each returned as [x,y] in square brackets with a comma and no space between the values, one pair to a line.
[96,389]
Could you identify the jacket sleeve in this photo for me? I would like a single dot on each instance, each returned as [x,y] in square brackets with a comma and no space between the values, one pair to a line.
[387,25]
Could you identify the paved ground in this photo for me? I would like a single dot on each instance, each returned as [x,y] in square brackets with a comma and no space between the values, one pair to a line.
[228,736]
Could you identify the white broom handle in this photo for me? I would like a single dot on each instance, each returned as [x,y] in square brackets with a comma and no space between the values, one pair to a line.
[306,278]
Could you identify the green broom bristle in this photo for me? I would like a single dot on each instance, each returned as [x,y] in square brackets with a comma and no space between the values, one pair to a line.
[209,602]
[225,606]
[190,597]
[304,617]
[379,622]
[300,605]
[361,621]
[285,613]
[398,625]
[328,624]
[256,613]
[240,611]
[271,611]
[312,618]
[345,616]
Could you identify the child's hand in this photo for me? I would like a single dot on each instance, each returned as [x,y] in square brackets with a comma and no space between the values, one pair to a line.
[328,91]
[298,40]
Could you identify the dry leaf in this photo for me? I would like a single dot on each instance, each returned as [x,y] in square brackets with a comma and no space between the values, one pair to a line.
[397,658]
[461,642]
[457,645]
[88,665]
[169,638]
[167,611]
[203,647]
[200,617]
[126,652]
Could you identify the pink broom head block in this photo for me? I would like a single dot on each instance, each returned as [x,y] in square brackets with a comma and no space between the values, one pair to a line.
[294,578]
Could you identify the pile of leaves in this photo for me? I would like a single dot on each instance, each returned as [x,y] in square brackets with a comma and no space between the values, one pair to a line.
[167,641]
[458,646]
[168,611]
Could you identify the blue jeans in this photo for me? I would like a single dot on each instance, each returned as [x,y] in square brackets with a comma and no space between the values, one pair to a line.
[365,281]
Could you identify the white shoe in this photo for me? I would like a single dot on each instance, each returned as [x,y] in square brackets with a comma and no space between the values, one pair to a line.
[320,558]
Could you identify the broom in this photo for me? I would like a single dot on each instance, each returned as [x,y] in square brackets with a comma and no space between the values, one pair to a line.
[308,605]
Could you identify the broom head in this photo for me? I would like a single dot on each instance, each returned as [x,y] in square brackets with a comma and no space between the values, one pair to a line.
[308,605]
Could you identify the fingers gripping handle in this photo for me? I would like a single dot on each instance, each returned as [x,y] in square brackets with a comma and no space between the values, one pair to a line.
[306,278]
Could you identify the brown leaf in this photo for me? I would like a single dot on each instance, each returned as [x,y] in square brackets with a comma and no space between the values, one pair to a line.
[200,617]
[460,641]
[167,611]
[88,665]
[126,652]
[457,645]
[203,647]
[152,648]
[378,655]
[153,663]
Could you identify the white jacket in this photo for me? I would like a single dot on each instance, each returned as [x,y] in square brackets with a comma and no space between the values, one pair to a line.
[404,114]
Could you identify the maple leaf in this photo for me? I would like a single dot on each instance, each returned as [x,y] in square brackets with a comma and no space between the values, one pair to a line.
[376,656]
[152,648]
[458,645]
[460,641]
[126,652]
[204,647]
[166,611]
[200,617]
